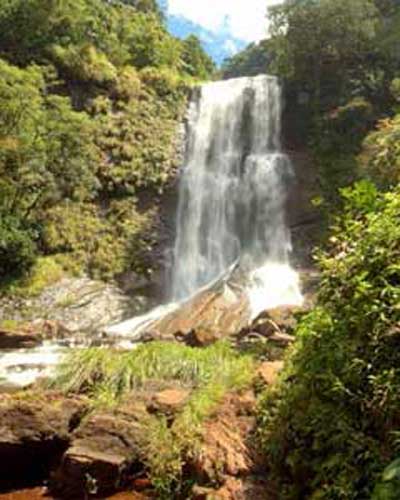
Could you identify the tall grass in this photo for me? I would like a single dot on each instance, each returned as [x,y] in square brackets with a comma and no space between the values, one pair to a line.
[96,370]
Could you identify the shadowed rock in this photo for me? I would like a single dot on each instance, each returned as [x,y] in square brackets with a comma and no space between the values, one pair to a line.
[34,432]
[104,452]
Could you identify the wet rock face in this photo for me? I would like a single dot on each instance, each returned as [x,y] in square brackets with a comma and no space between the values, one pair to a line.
[209,317]
[34,432]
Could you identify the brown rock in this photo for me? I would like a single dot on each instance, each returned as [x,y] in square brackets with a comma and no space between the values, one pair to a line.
[269,371]
[226,448]
[104,452]
[208,317]
[21,339]
[170,400]
[34,432]
[203,337]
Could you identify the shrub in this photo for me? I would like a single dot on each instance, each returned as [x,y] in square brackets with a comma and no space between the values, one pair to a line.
[128,85]
[18,250]
[329,429]
[85,63]
[163,81]
[380,156]
[45,272]
[115,238]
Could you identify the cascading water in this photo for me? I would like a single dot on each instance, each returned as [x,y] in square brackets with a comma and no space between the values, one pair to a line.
[232,193]
[231,213]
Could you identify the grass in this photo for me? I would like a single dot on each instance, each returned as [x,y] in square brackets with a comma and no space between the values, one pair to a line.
[97,370]
[107,376]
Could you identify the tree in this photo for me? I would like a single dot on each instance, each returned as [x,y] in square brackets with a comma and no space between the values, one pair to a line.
[324,45]
[196,61]
[45,152]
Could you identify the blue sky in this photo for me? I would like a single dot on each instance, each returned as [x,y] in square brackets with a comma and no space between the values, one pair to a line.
[224,26]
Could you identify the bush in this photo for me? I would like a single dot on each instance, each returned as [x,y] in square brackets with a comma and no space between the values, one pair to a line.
[115,239]
[85,63]
[18,250]
[380,156]
[330,428]
[163,81]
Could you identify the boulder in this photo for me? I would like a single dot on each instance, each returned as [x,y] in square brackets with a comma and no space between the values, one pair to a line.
[75,305]
[35,430]
[275,325]
[169,401]
[104,453]
[208,317]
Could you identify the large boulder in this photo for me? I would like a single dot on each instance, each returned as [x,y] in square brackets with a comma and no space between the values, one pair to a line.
[208,317]
[105,451]
[35,430]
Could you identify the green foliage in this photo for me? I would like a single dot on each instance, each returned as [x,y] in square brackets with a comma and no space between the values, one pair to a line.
[389,487]
[196,62]
[45,150]
[116,237]
[17,247]
[380,156]
[395,89]
[88,118]
[324,45]
[45,272]
[84,63]
[254,60]
[101,370]
[329,428]
[136,137]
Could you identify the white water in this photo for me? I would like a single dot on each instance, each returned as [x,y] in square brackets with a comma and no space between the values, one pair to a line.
[233,193]
[21,367]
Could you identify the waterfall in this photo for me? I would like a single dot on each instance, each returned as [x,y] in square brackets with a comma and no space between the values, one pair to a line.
[233,191]
[230,227]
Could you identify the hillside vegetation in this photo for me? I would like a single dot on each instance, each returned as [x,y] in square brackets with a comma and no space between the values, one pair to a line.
[330,429]
[91,95]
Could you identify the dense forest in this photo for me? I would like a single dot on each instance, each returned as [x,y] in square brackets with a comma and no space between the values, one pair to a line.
[92,95]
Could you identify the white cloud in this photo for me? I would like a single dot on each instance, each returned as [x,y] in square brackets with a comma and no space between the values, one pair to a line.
[244,19]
